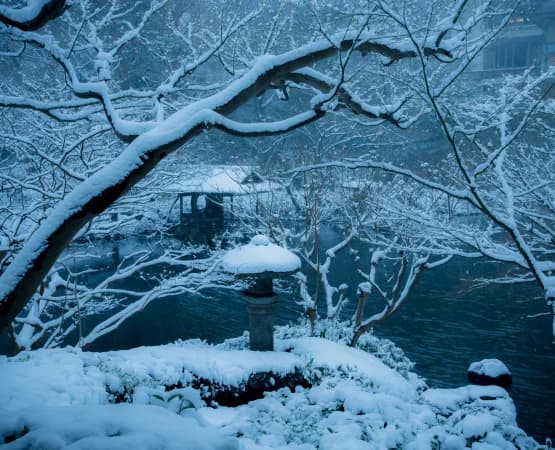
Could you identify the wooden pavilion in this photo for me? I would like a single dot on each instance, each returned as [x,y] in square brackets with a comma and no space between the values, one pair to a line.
[206,195]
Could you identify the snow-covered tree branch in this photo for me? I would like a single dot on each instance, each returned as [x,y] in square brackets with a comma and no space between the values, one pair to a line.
[92,76]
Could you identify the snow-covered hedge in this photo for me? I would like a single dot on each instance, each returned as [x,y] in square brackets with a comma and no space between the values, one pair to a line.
[63,397]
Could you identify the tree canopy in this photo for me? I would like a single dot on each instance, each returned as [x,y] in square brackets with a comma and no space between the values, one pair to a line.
[96,94]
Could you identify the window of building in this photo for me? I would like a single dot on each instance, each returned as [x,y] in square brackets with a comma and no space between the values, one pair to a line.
[512,55]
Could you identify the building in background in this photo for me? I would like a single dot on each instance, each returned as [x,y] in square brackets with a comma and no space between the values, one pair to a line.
[527,41]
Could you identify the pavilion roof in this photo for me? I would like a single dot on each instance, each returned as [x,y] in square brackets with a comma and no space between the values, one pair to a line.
[226,180]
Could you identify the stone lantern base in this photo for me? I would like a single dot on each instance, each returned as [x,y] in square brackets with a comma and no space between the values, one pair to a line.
[261,323]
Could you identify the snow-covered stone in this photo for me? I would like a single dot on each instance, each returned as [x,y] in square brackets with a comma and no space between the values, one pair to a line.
[490,371]
[259,256]
[489,367]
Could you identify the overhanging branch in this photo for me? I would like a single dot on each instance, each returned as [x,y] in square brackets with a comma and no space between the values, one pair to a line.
[93,196]
[33,16]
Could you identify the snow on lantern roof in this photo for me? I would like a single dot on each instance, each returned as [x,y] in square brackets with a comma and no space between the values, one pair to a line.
[260,256]
[231,180]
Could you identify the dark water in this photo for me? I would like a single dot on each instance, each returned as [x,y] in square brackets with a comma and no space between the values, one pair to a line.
[444,326]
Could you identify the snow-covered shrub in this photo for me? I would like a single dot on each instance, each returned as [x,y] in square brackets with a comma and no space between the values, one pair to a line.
[354,399]
[341,332]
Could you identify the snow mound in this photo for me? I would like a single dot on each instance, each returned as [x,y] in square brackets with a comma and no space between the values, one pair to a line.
[70,377]
[489,367]
[168,363]
[61,397]
[115,427]
[49,378]
[446,400]
[259,256]
[330,355]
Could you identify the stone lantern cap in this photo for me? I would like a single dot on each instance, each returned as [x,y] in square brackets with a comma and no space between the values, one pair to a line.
[260,258]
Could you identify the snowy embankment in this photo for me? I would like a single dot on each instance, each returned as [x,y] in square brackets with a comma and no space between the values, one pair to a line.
[59,398]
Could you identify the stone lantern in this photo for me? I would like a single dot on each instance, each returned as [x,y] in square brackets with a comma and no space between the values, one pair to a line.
[260,262]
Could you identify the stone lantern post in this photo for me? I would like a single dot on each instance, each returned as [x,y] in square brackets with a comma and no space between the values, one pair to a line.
[260,262]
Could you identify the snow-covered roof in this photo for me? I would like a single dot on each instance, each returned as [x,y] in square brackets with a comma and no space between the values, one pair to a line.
[233,180]
[259,256]
[528,30]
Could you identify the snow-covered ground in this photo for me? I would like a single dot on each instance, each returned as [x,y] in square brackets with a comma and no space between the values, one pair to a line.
[66,398]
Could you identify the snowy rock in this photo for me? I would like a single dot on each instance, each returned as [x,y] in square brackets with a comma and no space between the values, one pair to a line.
[26,13]
[490,372]
[254,388]
[60,377]
[259,256]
